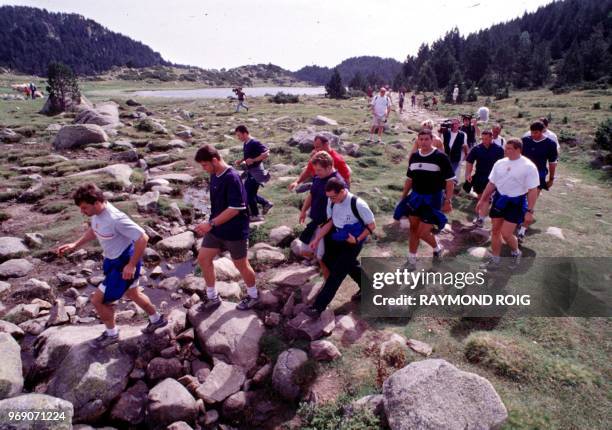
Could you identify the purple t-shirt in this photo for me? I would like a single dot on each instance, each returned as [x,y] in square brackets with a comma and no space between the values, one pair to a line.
[227,191]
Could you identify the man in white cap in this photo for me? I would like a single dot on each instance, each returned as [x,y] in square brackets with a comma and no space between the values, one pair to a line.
[381,106]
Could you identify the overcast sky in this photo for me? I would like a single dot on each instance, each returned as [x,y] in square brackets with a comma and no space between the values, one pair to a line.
[289,33]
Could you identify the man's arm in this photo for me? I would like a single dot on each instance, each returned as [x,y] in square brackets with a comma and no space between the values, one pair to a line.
[303,176]
[484,199]
[366,232]
[305,207]
[139,248]
[407,187]
[321,234]
[468,171]
[261,157]
[88,236]
[450,189]
[465,150]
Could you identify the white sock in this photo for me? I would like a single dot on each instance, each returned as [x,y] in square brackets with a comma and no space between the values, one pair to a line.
[155,317]
[412,257]
[211,293]
[112,331]
[517,252]
[522,230]
[438,248]
[252,291]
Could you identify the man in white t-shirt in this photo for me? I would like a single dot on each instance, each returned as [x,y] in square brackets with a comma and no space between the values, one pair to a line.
[497,138]
[381,106]
[123,243]
[350,222]
[513,183]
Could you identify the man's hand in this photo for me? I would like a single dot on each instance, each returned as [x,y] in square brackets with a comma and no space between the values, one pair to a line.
[66,248]
[351,239]
[203,228]
[238,162]
[447,207]
[292,186]
[314,244]
[249,161]
[128,271]
[302,217]
[469,178]
[528,218]
[549,183]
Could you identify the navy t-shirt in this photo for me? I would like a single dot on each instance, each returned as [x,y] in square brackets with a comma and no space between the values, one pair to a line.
[318,203]
[227,191]
[541,153]
[429,173]
[484,158]
[253,149]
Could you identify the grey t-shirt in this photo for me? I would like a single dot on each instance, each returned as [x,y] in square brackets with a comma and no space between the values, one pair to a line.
[343,215]
[115,231]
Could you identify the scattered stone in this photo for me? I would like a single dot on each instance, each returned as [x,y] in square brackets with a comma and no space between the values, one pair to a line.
[148,201]
[58,314]
[39,402]
[323,120]
[12,329]
[555,232]
[12,247]
[270,258]
[283,375]
[293,276]
[169,402]
[228,290]
[169,284]
[9,136]
[78,135]
[225,269]
[131,406]
[181,178]
[394,341]
[33,288]
[22,313]
[177,245]
[11,377]
[151,256]
[151,125]
[132,102]
[478,252]
[179,425]
[435,394]
[374,403]
[324,350]
[313,329]
[223,381]
[162,368]
[33,240]
[281,236]
[272,319]
[34,326]
[119,172]
[420,347]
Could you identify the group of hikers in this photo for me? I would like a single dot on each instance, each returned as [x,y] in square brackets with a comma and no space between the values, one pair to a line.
[29,90]
[506,175]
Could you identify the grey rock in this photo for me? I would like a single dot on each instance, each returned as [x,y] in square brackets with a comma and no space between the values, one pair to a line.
[11,377]
[12,247]
[169,402]
[78,135]
[223,381]
[283,375]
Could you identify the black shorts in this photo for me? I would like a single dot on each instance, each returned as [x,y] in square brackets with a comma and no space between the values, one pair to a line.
[479,184]
[238,249]
[514,213]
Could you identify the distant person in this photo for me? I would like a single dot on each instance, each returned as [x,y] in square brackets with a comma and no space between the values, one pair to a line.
[321,143]
[254,155]
[434,103]
[455,145]
[381,106]
[483,114]
[401,101]
[123,243]
[227,228]
[470,128]
[370,92]
[455,94]
[241,97]
[484,156]
[33,90]
[413,101]
[497,138]
[513,184]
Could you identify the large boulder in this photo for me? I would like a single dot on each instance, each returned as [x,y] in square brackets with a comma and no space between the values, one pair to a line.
[78,135]
[131,406]
[22,313]
[177,246]
[11,377]
[222,382]
[293,276]
[42,403]
[283,375]
[119,172]
[434,394]
[104,114]
[12,329]
[12,247]
[33,289]
[9,136]
[323,120]
[169,401]
[229,334]
[312,328]
[304,139]
[15,268]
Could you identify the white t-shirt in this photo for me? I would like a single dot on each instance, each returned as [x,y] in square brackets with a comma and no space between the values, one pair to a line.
[381,104]
[514,178]
[115,231]
[500,141]
[343,214]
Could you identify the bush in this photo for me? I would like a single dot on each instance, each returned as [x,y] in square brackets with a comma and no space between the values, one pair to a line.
[282,98]
[603,135]
[330,416]
[62,87]
[4,216]
[597,106]
[306,374]
[335,88]
[502,93]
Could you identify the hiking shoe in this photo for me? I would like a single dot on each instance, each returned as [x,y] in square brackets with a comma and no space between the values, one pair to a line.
[247,303]
[302,188]
[312,312]
[520,237]
[210,304]
[479,222]
[410,265]
[356,297]
[490,264]
[437,255]
[516,260]
[266,208]
[151,327]
[256,218]
[104,340]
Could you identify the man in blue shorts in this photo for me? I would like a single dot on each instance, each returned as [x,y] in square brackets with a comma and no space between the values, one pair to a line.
[513,183]
[429,174]
[227,228]
[123,243]
[485,155]
[544,153]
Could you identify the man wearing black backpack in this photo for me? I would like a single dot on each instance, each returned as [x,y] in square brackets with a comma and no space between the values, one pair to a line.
[350,222]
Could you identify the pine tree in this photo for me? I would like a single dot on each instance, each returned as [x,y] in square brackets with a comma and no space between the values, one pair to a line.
[571,70]
[334,88]
[426,80]
[62,87]
[358,82]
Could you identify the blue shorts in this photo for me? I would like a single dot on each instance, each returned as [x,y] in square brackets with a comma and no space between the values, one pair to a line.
[114,286]
[513,211]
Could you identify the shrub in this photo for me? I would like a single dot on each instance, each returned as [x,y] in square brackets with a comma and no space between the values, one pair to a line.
[4,216]
[330,416]
[603,135]
[597,106]
[282,98]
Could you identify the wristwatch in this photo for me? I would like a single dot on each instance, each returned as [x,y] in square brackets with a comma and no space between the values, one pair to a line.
[530,211]
[212,223]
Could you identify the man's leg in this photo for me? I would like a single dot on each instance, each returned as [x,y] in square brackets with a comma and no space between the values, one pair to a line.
[338,271]
[507,233]
[496,236]
[425,233]
[137,296]
[205,261]
[105,312]
[413,242]
[248,275]
[251,187]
